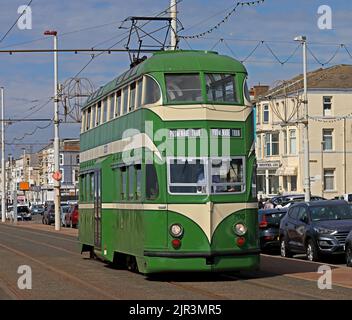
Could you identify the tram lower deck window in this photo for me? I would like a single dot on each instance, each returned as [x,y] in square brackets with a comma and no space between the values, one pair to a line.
[187,176]
[227,175]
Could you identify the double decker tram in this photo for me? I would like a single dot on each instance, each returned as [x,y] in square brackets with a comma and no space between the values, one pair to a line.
[167,174]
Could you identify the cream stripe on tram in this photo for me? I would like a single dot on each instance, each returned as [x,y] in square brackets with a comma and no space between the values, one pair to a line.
[208,215]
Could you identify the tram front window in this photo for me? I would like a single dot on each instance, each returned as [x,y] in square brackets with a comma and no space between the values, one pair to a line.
[183,87]
[187,176]
[221,87]
[227,175]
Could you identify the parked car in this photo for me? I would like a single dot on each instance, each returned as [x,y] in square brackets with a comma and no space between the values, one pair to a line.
[23,213]
[37,209]
[72,217]
[315,228]
[349,250]
[64,210]
[269,223]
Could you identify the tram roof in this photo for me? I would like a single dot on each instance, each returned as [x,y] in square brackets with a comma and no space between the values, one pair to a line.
[172,61]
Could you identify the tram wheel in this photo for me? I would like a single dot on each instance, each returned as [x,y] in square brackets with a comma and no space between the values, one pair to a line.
[131,263]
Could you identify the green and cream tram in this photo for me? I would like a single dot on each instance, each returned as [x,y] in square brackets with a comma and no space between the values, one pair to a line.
[168,166]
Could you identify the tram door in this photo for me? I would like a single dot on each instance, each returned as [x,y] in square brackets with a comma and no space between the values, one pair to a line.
[97,209]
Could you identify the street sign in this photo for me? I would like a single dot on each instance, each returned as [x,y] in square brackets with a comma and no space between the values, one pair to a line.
[24,186]
[57,176]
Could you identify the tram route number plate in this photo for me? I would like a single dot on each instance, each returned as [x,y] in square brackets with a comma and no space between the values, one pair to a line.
[226,133]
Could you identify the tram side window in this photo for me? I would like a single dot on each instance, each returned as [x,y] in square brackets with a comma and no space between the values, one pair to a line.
[83,121]
[118,104]
[183,87]
[187,176]
[125,100]
[111,106]
[132,96]
[91,187]
[92,121]
[105,110]
[131,182]
[151,182]
[88,119]
[227,175]
[139,93]
[98,115]
[138,170]
[123,182]
[152,91]
[221,87]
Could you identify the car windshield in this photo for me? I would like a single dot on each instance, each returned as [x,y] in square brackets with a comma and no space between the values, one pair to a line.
[22,209]
[331,212]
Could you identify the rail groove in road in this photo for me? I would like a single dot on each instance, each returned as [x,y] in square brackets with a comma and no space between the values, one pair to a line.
[60,272]
[276,280]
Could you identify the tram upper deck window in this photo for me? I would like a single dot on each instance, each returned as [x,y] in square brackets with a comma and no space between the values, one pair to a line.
[118,104]
[221,87]
[183,87]
[88,119]
[98,115]
[152,91]
[139,93]
[227,175]
[105,110]
[132,96]
[125,100]
[187,176]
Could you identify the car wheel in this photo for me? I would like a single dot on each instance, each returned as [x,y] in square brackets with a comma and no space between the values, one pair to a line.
[284,251]
[349,256]
[312,251]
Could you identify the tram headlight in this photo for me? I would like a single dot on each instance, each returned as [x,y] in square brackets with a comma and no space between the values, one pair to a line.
[240,229]
[176,230]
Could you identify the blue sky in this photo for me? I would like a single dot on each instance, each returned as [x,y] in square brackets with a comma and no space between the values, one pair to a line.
[28,78]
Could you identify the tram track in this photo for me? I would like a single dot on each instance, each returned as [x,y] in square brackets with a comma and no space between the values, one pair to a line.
[64,274]
[253,282]
[41,233]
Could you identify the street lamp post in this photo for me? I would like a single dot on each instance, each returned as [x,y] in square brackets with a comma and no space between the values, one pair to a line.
[56,133]
[3,209]
[306,184]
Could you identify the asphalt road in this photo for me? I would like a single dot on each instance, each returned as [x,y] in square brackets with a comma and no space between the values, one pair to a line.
[59,271]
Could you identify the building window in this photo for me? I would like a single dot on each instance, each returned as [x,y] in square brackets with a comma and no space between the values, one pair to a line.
[293,183]
[327,139]
[285,141]
[266,113]
[271,144]
[329,179]
[259,142]
[77,159]
[284,182]
[327,103]
[293,146]
[62,175]
[61,161]
[273,182]
[258,114]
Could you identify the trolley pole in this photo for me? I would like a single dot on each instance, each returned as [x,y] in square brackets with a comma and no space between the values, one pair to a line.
[57,196]
[3,191]
[173,15]
[303,40]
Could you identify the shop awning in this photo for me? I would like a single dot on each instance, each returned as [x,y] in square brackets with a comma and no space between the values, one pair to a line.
[286,171]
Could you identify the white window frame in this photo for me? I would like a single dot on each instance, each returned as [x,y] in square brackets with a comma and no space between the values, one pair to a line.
[228,184]
[332,139]
[329,175]
[206,176]
[266,109]
[271,144]
[290,140]
[327,103]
